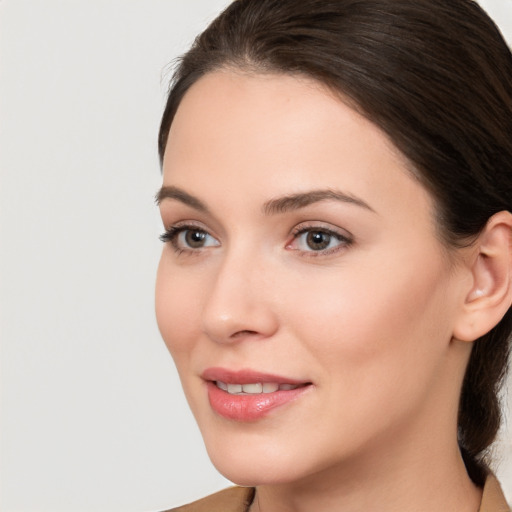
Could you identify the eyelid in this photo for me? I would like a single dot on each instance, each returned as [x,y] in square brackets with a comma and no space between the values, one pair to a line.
[322,226]
[171,234]
[345,238]
[172,229]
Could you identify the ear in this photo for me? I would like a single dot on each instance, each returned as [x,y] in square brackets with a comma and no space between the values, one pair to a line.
[490,295]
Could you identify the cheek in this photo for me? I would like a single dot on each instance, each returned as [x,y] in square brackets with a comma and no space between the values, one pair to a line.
[377,318]
[177,300]
[375,340]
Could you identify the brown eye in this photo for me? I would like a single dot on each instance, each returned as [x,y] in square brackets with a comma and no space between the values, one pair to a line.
[188,238]
[318,240]
[195,239]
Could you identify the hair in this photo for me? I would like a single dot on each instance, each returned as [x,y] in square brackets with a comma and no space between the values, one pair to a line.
[436,77]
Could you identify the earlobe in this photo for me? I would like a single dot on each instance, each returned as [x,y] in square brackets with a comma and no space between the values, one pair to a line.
[490,296]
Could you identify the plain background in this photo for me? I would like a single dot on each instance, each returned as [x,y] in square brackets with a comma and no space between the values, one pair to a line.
[93,417]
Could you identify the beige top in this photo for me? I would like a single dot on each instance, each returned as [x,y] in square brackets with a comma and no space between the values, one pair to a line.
[238,499]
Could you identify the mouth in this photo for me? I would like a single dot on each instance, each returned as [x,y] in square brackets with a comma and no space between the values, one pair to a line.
[255,388]
[248,396]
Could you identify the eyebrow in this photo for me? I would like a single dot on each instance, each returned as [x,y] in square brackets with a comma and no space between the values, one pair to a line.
[272,207]
[301,200]
[170,192]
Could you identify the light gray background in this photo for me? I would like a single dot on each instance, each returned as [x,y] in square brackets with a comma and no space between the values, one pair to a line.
[92,416]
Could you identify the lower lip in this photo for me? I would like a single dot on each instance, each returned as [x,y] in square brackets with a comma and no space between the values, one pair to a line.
[249,407]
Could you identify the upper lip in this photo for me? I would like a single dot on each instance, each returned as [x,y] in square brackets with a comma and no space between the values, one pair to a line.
[246,376]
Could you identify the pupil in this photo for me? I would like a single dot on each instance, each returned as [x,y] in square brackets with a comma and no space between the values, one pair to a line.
[195,238]
[317,240]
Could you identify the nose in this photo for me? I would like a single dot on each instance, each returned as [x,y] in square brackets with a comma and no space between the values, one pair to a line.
[239,305]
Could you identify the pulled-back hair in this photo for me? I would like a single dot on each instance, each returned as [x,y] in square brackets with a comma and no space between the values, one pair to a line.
[436,77]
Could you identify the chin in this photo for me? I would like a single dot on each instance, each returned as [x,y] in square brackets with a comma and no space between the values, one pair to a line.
[257,460]
[250,472]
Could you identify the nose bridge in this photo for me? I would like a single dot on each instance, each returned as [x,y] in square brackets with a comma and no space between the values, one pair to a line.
[239,303]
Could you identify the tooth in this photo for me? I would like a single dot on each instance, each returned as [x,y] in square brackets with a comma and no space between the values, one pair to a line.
[256,388]
[234,388]
[270,387]
[252,388]
[287,387]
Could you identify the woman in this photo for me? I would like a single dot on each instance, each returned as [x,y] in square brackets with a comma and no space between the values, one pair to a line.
[335,285]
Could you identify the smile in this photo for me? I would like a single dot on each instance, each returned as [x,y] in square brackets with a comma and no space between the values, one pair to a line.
[255,388]
[249,396]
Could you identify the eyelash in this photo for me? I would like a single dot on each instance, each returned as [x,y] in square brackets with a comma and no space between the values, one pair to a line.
[345,240]
[171,235]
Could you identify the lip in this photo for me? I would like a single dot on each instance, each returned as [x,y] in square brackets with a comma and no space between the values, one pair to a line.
[246,376]
[249,407]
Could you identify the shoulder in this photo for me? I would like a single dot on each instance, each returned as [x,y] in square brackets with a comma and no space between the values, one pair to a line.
[493,499]
[233,499]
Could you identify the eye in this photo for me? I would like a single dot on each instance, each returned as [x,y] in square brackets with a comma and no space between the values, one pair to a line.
[188,238]
[318,240]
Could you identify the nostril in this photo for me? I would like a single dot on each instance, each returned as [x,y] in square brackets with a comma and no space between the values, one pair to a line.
[238,334]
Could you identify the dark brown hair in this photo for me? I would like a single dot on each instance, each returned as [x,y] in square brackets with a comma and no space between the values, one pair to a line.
[436,76]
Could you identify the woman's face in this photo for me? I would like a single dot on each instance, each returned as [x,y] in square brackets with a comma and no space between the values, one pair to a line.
[302,263]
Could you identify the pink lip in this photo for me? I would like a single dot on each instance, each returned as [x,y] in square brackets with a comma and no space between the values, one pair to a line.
[246,377]
[248,407]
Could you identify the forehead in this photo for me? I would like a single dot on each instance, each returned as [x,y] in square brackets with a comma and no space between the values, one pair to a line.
[272,108]
[263,96]
[248,133]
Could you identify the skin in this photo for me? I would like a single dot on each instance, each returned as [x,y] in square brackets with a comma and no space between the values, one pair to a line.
[369,321]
